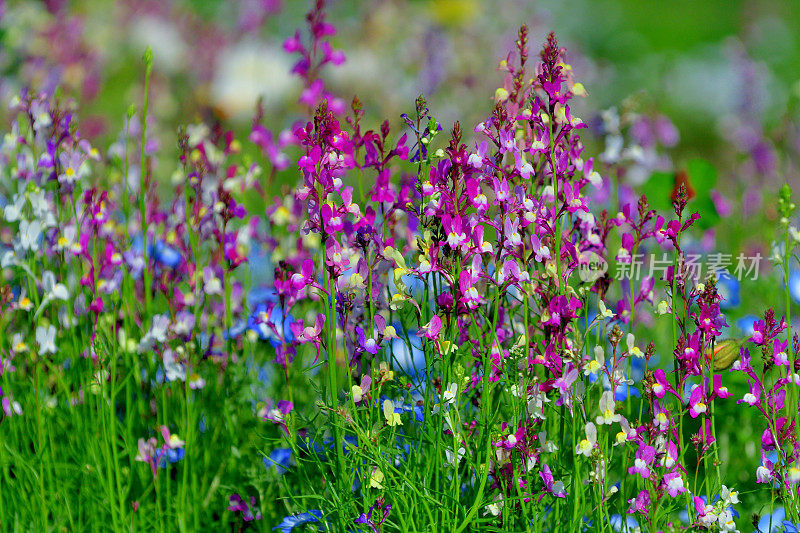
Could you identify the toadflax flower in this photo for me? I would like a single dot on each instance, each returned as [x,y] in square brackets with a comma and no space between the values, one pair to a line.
[46,338]
[607,406]
[585,446]
[392,418]
[644,458]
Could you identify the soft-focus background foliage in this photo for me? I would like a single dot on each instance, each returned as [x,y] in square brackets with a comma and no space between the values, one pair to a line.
[713,67]
[724,72]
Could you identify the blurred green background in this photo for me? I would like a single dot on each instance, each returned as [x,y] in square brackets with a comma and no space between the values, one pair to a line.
[703,64]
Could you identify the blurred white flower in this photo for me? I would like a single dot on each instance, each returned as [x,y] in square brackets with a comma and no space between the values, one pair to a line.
[46,338]
[249,70]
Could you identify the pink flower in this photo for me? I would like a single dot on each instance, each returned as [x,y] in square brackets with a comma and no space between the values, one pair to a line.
[719,390]
[697,405]
[673,482]
[556,488]
[644,458]
[432,329]
[309,334]
[640,503]
[754,396]
[661,386]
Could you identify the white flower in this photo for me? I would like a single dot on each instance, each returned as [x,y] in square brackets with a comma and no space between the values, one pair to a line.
[17,344]
[46,338]
[455,458]
[794,233]
[730,497]
[536,403]
[196,382]
[8,259]
[595,365]
[41,207]
[495,508]
[607,406]
[632,348]
[585,446]
[603,310]
[212,285]
[67,238]
[174,370]
[548,446]
[13,211]
[763,474]
[29,233]
[250,69]
[449,395]
[626,432]
[53,289]
[157,333]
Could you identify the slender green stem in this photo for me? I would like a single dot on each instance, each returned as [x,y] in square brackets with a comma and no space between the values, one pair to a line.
[148,61]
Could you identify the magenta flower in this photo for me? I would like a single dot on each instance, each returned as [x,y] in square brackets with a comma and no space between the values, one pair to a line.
[661,386]
[640,503]
[237,505]
[469,294]
[719,390]
[308,333]
[432,329]
[556,488]
[644,458]
[673,482]
[366,344]
[754,396]
[697,405]
[277,414]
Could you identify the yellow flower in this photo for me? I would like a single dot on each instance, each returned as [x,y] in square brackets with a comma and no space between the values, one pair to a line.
[501,95]
[357,393]
[376,479]
[25,303]
[392,418]
[387,374]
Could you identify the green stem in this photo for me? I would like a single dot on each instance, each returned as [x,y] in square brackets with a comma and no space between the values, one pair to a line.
[148,61]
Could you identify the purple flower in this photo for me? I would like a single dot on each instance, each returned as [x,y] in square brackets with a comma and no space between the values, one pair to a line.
[238,505]
[644,458]
[640,503]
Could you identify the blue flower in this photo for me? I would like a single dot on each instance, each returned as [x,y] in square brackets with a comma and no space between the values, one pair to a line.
[279,459]
[236,330]
[262,295]
[637,368]
[746,324]
[276,317]
[311,446]
[789,527]
[294,520]
[349,441]
[629,524]
[171,456]
[794,285]
[255,322]
[728,288]
[770,523]
[166,255]
[623,390]
[411,361]
[160,252]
